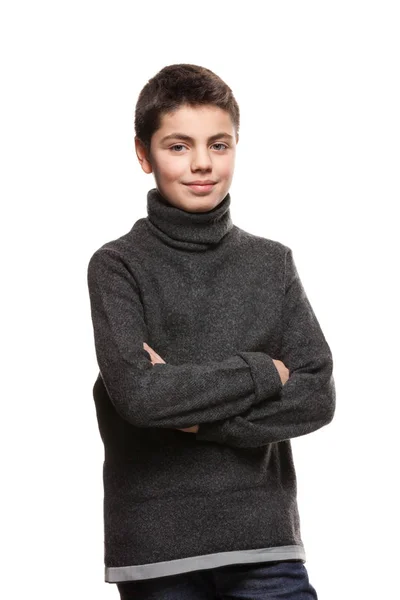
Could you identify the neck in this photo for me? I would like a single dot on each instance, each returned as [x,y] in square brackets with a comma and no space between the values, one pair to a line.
[188,230]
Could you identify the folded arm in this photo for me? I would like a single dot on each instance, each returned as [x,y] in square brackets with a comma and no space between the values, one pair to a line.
[163,395]
[306,401]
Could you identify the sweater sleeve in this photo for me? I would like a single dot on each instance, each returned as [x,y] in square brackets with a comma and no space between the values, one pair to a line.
[162,395]
[306,402]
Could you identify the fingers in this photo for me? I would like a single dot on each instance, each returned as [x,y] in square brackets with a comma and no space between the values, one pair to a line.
[193,429]
[153,354]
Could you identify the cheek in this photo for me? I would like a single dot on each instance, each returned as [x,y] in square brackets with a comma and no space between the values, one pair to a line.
[172,168]
[225,169]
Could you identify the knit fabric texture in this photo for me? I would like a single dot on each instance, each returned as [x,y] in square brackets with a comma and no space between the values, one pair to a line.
[218,304]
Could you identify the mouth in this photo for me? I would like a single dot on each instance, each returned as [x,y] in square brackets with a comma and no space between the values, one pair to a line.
[201,187]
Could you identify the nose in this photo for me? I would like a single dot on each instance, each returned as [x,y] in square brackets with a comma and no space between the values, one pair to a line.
[201,160]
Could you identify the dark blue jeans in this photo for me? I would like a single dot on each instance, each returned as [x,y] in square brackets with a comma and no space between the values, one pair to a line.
[279,580]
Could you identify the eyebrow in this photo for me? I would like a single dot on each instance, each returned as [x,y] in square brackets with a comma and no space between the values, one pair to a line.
[187,138]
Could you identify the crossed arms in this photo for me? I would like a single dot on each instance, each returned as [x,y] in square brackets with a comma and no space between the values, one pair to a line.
[156,358]
[240,401]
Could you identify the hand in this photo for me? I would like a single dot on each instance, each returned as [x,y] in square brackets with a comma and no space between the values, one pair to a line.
[193,429]
[156,358]
[282,370]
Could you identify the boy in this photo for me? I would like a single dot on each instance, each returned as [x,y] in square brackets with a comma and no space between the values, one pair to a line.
[211,358]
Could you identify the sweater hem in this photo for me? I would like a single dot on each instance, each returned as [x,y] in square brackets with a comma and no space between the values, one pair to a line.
[198,563]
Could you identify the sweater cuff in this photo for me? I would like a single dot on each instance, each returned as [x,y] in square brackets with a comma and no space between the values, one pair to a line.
[267,380]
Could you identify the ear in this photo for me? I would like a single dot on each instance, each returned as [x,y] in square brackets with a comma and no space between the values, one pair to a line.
[142,155]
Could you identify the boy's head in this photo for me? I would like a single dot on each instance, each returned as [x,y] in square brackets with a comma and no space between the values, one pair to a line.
[191,101]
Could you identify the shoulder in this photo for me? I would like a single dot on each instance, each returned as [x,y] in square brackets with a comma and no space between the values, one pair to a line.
[120,249]
[266,246]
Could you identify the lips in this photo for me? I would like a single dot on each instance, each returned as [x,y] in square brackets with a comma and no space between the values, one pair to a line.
[202,188]
[201,182]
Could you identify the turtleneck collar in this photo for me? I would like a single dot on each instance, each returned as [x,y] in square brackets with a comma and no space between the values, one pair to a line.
[187,230]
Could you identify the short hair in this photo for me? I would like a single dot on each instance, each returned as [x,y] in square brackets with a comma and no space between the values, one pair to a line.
[178,85]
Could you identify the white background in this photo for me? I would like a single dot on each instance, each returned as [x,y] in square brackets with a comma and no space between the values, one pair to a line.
[317,168]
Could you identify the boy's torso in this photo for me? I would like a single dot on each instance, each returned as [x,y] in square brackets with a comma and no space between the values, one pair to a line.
[198,307]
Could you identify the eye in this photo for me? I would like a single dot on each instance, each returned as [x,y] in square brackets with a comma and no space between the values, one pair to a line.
[221,144]
[175,146]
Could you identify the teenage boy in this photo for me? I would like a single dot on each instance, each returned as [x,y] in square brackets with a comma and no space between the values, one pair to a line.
[211,359]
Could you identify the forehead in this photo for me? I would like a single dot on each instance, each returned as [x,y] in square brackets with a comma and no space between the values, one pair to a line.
[196,121]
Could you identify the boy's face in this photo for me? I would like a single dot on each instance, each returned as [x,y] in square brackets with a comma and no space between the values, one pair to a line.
[208,153]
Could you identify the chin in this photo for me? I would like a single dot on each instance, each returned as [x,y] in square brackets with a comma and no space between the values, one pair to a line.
[191,202]
[202,204]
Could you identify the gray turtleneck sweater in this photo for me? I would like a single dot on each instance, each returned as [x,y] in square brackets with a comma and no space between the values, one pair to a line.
[218,304]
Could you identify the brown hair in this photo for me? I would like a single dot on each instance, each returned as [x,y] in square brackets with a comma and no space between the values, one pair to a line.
[174,86]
